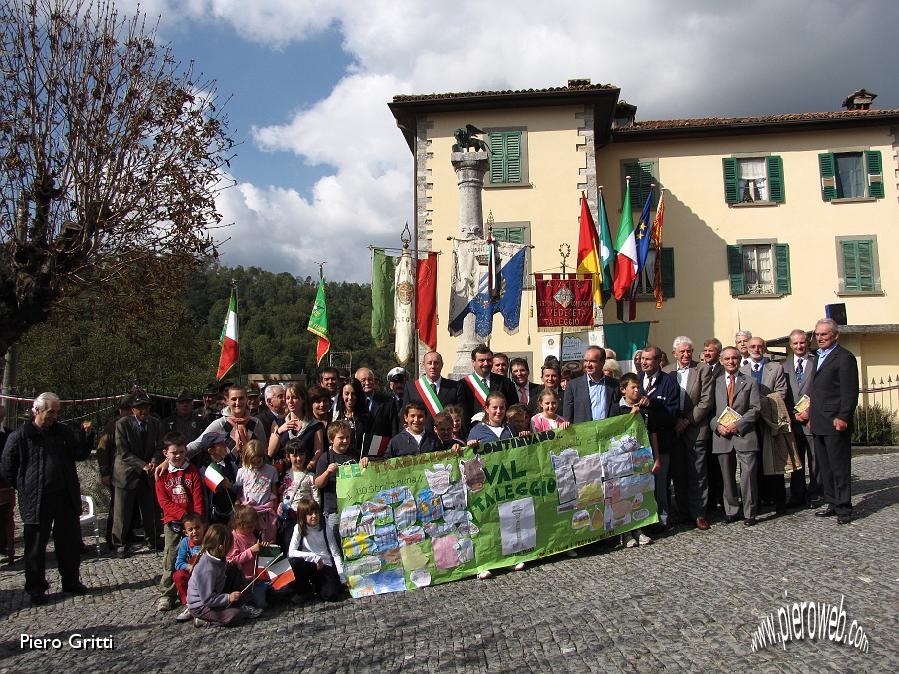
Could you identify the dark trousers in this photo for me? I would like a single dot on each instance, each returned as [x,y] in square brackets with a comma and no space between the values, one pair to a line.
[324,582]
[799,492]
[144,497]
[716,486]
[834,454]
[57,514]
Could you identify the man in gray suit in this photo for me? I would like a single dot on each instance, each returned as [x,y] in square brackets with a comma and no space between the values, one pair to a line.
[771,379]
[590,396]
[737,440]
[800,371]
[138,450]
[688,459]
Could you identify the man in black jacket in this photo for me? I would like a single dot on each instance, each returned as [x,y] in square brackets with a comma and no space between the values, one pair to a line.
[39,460]
[834,395]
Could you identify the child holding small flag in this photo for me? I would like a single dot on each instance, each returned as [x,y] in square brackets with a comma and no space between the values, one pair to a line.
[310,557]
[413,439]
[219,474]
[179,493]
[245,548]
[214,588]
[188,552]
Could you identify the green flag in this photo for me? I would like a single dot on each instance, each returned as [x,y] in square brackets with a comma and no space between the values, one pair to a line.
[606,250]
[382,292]
[624,339]
[318,323]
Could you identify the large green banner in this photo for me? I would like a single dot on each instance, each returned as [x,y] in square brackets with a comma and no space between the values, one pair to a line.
[433,518]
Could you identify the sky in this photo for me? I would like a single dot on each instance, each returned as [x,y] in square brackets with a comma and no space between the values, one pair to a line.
[322,171]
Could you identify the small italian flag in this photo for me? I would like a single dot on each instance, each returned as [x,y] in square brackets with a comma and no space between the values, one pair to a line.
[377,445]
[212,477]
[273,562]
[228,339]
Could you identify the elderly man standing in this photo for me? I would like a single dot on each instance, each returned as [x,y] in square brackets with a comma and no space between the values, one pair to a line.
[274,409]
[800,371]
[741,339]
[39,461]
[834,397]
[138,451]
[688,460]
[737,439]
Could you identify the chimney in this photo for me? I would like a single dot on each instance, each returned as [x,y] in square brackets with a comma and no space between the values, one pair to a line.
[859,100]
[624,116]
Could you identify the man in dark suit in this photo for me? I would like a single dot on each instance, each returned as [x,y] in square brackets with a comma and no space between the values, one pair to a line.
[551,377]
[688,462]
[447,391]
[590,396]
[800,371]
[527,393]
[834,396]
[481,382]
[737,440]
[386,420]
[771,379]
[274,410]
[138,439]
[661,388]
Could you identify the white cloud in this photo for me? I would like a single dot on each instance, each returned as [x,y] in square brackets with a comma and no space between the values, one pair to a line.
[671,59]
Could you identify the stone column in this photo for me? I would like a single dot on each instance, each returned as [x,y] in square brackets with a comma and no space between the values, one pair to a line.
[470,167]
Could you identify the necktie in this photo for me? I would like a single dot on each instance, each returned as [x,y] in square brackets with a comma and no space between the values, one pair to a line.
[756,373]
[371,401]
[486,383]
[523,394]
[798,371]
[730,390]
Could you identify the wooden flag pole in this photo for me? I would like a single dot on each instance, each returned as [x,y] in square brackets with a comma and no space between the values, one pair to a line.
[258,574]
[565,252]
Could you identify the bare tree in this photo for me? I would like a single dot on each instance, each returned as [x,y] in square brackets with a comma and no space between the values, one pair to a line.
[111,156]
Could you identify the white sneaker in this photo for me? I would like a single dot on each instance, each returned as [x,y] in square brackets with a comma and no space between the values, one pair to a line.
[643,539]
[518,567]
[485,575]
[184,616]
[631,542]
[251,611]
[199,623]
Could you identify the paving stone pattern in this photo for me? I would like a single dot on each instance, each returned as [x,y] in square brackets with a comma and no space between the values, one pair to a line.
[689,602]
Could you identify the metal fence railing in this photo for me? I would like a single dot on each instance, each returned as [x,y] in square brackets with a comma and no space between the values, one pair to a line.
[875,416]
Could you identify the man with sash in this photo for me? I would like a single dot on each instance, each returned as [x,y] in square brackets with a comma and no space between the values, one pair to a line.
[433,390]
[481,383]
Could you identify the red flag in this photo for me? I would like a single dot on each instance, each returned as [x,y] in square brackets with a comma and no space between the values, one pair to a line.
[426,300]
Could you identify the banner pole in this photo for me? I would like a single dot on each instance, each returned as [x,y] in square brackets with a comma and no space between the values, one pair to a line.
[564,251]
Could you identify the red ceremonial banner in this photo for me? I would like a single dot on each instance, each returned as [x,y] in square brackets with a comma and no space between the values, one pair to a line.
[564,301]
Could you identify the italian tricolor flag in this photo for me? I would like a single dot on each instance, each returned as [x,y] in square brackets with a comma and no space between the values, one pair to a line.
[626,265]
[228,340]
[212,477]
[273,562]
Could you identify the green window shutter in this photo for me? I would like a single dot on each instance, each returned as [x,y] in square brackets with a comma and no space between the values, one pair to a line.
[731,192]
[497,145]
[865,251]
[500,234]
[735,270]
[668,272]
[826,166]
[850,266]
[782,268]
[632,169]
[644,171]
[874,167]
[775,179]
[513,157]
[515,235]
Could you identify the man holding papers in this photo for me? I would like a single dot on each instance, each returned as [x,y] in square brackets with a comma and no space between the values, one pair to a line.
[734,438]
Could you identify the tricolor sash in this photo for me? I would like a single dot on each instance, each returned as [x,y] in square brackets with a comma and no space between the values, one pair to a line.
[428,395]
[478,389]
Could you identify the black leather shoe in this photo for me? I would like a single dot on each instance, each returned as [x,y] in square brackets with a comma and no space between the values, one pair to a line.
[826,512]
[38,598]
[77,588]
[730,519]
[750,522]
[844,519]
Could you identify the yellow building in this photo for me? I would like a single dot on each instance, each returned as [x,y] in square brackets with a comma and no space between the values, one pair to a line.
[767,219]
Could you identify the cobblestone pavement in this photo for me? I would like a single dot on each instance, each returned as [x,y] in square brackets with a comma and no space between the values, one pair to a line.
[690,602]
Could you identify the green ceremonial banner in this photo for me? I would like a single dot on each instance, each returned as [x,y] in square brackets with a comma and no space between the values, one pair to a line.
[382,296]
[433,518]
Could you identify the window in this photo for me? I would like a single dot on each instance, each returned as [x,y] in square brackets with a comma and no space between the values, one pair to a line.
[851,175]
[857,265]
[508,156]
[749,180]
[643,176]
[644,282]
[517,232]
[759,269]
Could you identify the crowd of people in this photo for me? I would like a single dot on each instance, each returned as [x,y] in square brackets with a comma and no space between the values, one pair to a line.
[216,489]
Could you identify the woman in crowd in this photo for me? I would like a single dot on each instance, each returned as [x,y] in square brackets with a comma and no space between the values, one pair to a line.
[352,409]
[300,425]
